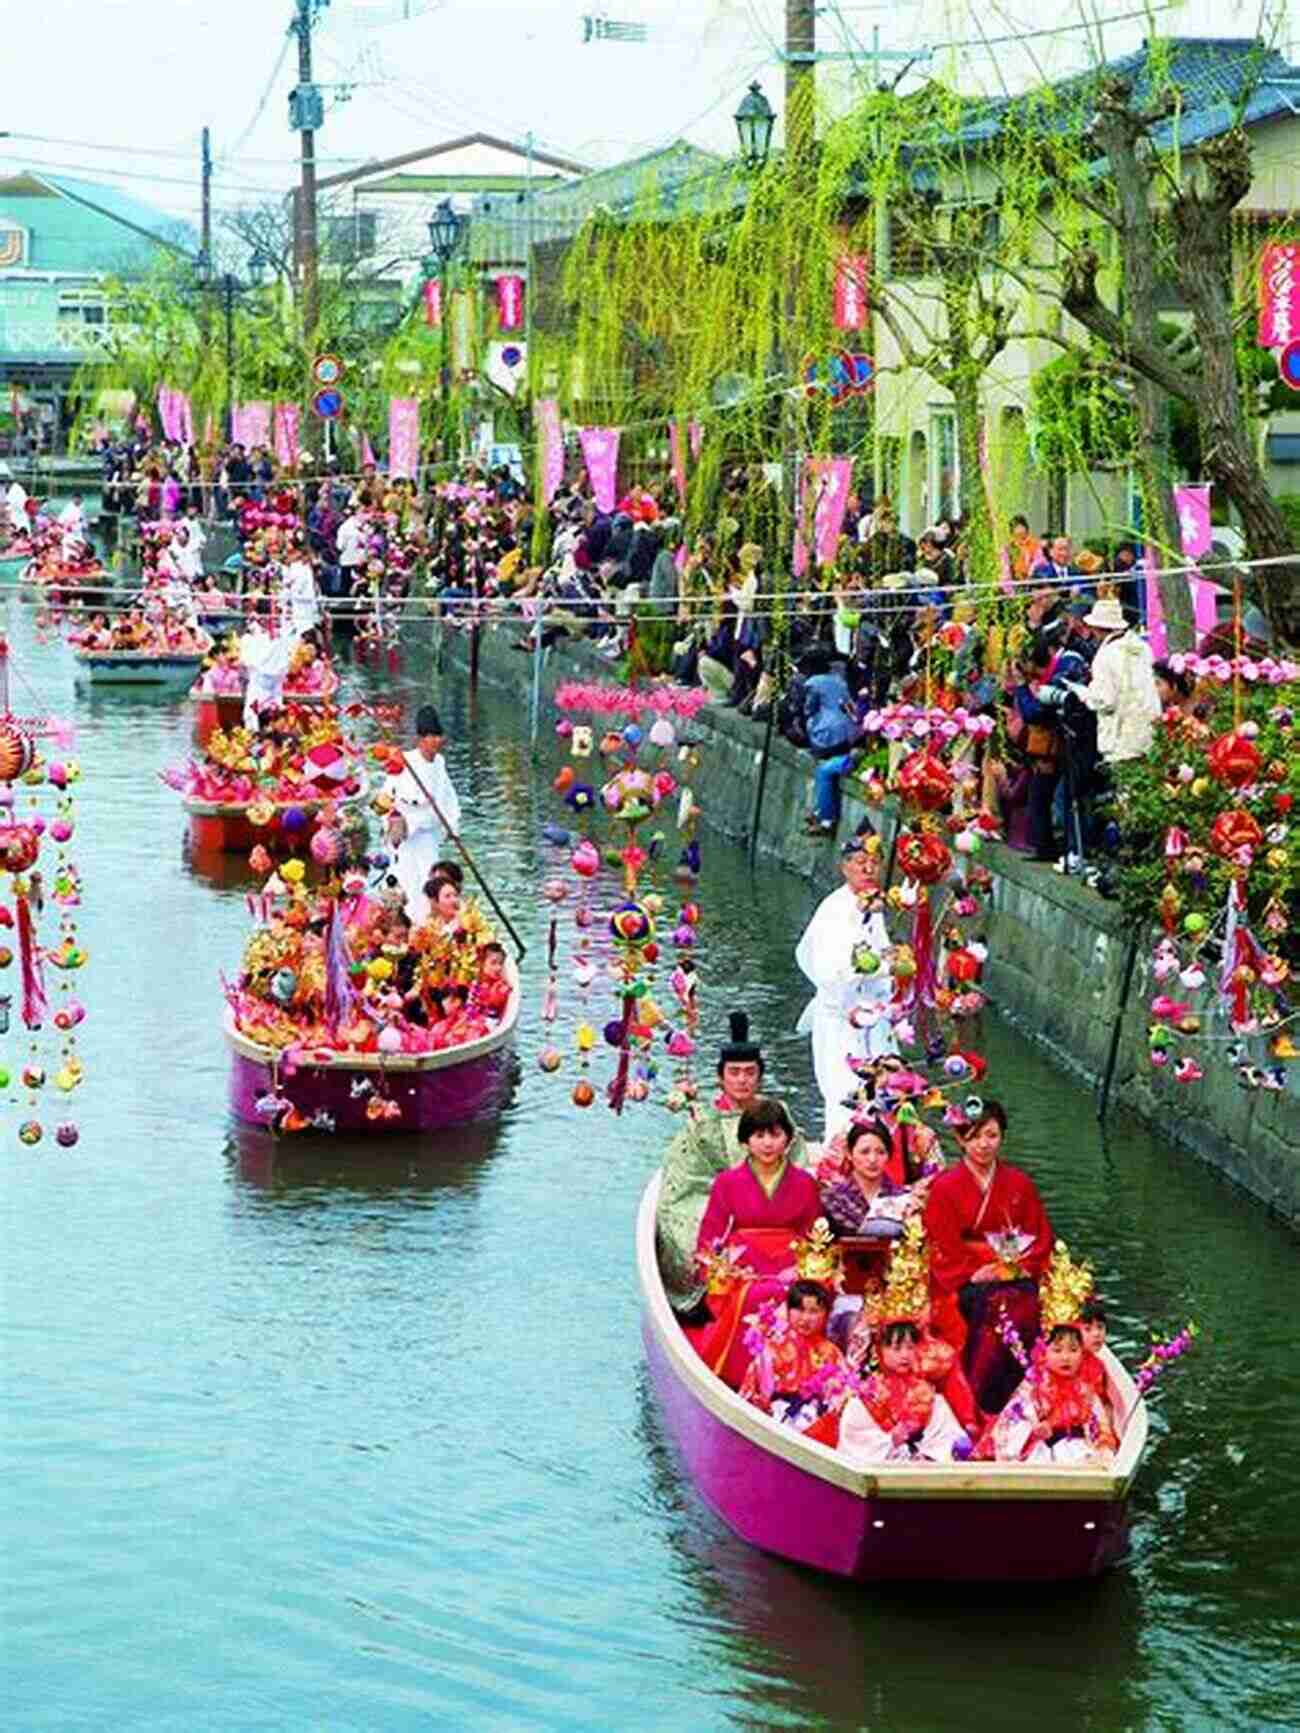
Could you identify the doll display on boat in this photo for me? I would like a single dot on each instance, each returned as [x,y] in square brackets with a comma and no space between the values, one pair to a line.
[310,682]
[62,567]
[347,1016]
[266,784]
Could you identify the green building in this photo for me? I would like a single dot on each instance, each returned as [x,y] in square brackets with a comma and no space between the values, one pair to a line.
[59,239]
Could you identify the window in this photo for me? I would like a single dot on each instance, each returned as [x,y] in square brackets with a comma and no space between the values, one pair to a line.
[82,307]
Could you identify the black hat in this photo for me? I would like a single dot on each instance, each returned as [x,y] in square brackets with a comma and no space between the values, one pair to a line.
[739,1050]
[427,721]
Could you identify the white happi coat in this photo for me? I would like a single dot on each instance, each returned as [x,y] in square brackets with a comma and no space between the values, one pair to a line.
[418,851]
[267,661]
[825,954]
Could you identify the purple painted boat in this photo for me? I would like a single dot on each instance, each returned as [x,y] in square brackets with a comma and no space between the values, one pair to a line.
[431,1091]
[936,1522]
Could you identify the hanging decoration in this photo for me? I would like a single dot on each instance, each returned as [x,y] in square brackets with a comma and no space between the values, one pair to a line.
[40,890]
[510,302]
[403,437]
[625,784]
[600,454]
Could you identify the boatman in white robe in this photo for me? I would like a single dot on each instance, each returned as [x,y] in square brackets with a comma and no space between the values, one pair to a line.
[844,952]
[300,594]
[265,658]
[414,829]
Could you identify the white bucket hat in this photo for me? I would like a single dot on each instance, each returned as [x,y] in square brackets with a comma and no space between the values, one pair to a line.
[1106,615]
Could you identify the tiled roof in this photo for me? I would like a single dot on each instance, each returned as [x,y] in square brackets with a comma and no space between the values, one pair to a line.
[1221,79]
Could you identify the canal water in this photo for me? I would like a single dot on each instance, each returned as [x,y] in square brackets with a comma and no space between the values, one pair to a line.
[299,1437]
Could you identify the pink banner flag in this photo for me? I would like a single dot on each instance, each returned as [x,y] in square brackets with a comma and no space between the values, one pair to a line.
[1193,507]
[600,453]
[677,452]
[510,302]
[403,437]
[167,411]
[825,496]
[287,417]
[1205,606]
[184,417]
[696,434]
[253,424]
[852,273]
[433,302]
[1279,294]
[552,447]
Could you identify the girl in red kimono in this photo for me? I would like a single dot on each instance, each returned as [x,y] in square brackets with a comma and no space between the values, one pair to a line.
[990,1240]
[777,1379]
[755,1214]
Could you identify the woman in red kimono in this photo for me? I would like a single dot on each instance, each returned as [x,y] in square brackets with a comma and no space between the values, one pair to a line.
[990,1240]
[756,1213]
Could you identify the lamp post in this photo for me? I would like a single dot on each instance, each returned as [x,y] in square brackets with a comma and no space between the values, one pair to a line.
[232,290]
[755,122]
[448,233]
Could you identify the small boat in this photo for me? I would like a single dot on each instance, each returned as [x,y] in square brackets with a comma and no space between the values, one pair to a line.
[225,710]
[63,584]
[431,1090]
[224,827]
[138,667]
[934,1522]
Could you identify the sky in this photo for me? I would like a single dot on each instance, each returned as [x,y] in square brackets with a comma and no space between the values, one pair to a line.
[136,82]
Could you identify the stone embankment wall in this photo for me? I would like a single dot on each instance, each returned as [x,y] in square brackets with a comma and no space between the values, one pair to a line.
[1058,953]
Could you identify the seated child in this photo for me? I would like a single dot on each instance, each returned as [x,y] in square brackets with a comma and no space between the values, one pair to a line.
[898,1417]
[1092,1323]
[781,1378]
[490,993]
[1055,1415]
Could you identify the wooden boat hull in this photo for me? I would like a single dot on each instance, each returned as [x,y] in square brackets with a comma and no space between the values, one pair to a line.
[131,668]
[227,829]
[433,1093]
[942,1522]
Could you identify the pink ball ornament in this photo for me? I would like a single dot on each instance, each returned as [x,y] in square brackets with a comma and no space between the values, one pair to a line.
[61,830]
[582,916]
[58,775]
[555,890]
[390,1041]
[549,1059]
[585,860]
[326,845]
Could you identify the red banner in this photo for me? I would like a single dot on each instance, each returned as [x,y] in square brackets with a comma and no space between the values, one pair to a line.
[433,302]
[852,275]
[510,303]
[1279,295]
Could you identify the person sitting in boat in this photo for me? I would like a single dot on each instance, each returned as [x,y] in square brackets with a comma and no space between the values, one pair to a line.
[1056,1415]
[459,1022]
[756,1215]
[490,994]
[1092,1327]
[863,1197]
[898,1415]
[707,1145]
[990,1240]
[787,1375]
[415,829]
[96,635]
[223,677]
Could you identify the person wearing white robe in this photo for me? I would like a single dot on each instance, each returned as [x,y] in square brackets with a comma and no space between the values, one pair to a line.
[413,827]
[16,506]
[863,1442]
[266,658]
[72,519]
[848,1015]
[301,595]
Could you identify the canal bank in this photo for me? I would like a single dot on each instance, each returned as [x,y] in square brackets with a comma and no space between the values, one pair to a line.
[1058,953]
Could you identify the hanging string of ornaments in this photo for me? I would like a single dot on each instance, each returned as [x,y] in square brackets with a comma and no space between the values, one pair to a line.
[629,768]
[40,884]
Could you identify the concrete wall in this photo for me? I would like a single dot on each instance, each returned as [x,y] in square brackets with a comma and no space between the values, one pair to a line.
[1057,951]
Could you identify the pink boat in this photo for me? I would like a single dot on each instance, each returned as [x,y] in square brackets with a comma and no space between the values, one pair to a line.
[432,1090]
[936,1522]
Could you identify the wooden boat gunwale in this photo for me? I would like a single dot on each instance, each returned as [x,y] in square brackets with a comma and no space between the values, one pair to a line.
[1029,1482]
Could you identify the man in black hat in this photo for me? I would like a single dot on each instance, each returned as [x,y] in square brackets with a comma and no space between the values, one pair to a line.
[415,829]
[704,1147]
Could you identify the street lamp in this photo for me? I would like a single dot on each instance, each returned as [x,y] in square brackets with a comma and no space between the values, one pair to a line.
[755,122]
[447,229]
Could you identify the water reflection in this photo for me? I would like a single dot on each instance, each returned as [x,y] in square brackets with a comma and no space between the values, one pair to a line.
[286,1169]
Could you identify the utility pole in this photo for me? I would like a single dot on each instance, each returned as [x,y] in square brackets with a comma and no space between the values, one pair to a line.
[306,113]
[800,83]
[206,244]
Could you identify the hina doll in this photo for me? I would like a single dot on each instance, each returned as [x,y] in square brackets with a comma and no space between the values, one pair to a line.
[1056,1415]
[791,1374]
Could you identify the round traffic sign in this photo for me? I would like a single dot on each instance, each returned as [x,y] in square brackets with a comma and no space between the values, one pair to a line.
[327,370]
[328,404]
[1288,364]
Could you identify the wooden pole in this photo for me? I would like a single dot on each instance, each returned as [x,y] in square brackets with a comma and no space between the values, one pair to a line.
[470,862]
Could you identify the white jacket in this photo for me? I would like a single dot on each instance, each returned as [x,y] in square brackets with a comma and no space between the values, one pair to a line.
[1123,693]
